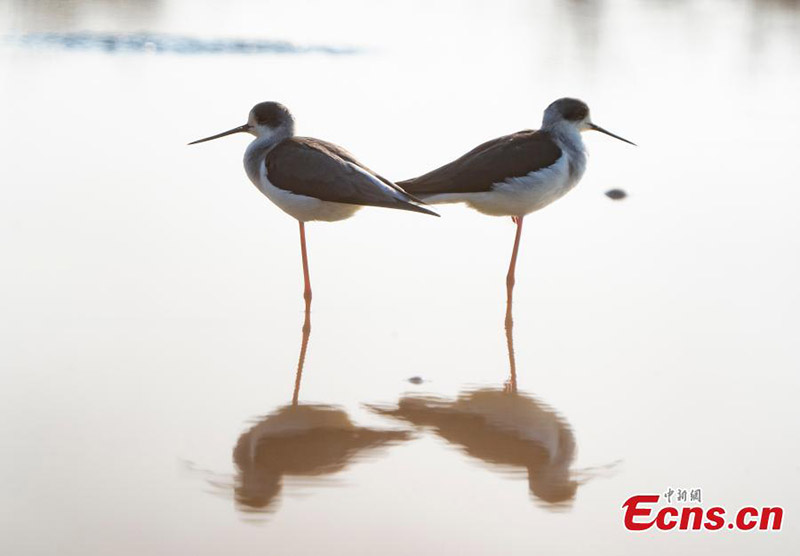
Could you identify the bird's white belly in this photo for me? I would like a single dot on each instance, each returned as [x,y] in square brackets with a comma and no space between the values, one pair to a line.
[518,196]
[303,207]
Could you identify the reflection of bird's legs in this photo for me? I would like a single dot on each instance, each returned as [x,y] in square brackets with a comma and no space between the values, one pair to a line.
[512,381]
[302,359]
[511,384]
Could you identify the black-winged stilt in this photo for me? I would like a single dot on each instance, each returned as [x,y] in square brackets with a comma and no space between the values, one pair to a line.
[516,174]
[308,178]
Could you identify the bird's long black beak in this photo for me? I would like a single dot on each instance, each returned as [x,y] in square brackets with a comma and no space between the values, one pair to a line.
[241,129]
[601,130]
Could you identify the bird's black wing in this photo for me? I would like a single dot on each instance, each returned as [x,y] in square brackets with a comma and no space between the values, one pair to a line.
[319,169]
[510,156]
[346,155]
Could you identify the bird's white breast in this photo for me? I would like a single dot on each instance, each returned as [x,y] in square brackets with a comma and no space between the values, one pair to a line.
[302,207]
[529,193]
[523,195]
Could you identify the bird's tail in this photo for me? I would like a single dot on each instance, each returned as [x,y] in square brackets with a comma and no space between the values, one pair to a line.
[416,206]
[413,202]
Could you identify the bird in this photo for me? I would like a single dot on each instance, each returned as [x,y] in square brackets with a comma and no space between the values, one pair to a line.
[516,174]
[311,179]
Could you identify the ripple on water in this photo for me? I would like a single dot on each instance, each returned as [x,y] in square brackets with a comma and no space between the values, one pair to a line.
[169,44]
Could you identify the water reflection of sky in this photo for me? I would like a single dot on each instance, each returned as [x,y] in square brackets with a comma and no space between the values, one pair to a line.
[152,306]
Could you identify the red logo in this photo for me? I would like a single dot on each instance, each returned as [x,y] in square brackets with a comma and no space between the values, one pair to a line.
[642,513]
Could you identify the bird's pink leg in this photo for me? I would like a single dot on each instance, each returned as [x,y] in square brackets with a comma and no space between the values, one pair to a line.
[512,266]
[307,323]
[306,278]
[512,381]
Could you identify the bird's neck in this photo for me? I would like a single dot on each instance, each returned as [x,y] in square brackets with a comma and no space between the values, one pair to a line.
[569,139]
[257,151]
[568,135]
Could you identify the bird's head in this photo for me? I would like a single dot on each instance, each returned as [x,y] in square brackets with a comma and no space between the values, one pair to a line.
[270,118]
[573,113]
[266,119]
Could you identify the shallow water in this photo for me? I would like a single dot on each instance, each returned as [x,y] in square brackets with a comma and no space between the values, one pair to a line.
[153,318]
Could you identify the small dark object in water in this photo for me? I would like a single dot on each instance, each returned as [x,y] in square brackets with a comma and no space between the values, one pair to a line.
[415,380]
[616,194]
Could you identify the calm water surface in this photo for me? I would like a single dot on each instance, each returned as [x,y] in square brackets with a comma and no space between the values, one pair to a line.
[151,297]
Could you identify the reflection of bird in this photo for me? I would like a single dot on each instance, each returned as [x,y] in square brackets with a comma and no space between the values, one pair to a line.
[308,178]
[301,360]
[502,428]
[516,174]
[299,440]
